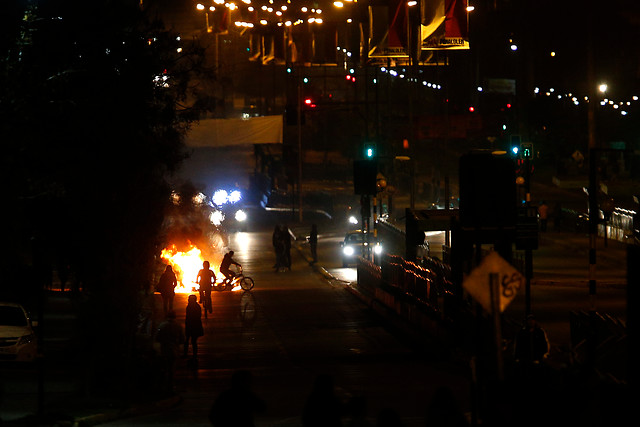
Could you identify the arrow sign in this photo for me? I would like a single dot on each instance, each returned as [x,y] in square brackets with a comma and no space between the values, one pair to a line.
[509,281]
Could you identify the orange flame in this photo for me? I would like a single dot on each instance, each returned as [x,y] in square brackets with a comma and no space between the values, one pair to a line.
[185,265]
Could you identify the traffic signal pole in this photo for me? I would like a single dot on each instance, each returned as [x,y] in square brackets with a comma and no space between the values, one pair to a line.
[299,146]
[528,253]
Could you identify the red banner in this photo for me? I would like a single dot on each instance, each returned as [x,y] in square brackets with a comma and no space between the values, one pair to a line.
[388,29]
[444,24]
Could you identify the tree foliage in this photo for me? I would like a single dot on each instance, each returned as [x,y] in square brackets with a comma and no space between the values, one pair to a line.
[94,103]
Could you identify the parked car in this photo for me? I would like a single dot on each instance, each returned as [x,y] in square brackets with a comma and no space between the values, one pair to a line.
[358,243]
[17,337]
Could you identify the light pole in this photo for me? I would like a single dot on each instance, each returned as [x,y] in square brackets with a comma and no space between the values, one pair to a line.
[203,8]
[299,145]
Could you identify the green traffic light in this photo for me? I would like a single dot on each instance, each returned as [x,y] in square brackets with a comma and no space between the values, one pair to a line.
[369,152]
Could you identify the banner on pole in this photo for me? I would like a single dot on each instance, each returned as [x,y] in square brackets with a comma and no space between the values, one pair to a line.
[444,25]
[388,30]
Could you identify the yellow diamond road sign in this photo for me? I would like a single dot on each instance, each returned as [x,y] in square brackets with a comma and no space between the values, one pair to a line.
[478,285]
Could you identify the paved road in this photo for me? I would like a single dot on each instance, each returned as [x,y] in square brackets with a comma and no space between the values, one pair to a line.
[292,327]
[298,324]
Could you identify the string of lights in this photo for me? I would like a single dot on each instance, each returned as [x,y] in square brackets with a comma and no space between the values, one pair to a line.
[253,13]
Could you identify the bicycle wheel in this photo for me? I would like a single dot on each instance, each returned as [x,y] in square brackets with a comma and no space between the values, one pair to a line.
[246,283]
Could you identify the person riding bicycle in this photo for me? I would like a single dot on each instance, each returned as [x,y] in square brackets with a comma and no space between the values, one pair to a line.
[205,279]
[227,261]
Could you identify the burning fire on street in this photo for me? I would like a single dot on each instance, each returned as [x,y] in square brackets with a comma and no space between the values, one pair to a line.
[186,266]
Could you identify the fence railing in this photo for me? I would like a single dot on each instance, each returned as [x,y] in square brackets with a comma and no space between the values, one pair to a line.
[424,285]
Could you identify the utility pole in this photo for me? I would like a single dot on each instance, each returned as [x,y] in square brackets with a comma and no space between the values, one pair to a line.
[299,145]
[594,215]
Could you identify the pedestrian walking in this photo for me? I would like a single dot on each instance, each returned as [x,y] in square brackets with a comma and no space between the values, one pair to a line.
[276,241]
[286,239]
[171,337]
[237,406]
[313,242]
[205,280]
[167,288]
[192,327]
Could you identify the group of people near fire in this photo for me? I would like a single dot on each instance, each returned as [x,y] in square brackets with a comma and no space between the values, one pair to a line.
[206,279]
[170,334]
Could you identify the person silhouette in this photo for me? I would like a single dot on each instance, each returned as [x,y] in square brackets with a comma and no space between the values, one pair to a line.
[227,262]
[313,242]
[277,243]
[286,239]
[166,286]
[192,326]
[205,280]
[323,408]
[237,406]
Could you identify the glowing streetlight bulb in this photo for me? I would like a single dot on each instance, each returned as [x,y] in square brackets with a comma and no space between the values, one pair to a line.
[602,87]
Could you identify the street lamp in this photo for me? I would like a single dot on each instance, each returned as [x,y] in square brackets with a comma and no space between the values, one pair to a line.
[202,8]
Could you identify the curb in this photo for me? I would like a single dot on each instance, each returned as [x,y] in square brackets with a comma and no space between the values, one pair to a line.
[96,419]
[319,269]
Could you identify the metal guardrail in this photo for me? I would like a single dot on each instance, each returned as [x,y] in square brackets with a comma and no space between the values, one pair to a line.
[425,285]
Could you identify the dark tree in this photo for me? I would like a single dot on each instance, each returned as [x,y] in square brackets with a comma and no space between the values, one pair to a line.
[94,100]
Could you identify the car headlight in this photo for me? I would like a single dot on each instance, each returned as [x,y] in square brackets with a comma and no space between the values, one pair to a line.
[220,197]
[241,216]
[235,196]
[216,217]
[348,250]
[377,249]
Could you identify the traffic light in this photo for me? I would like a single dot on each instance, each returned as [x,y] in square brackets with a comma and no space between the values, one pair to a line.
[364,177]
[370,151]
[487,191]
[516,145]
[526,150]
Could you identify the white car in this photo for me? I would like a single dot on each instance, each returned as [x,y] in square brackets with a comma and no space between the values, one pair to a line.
[17,338]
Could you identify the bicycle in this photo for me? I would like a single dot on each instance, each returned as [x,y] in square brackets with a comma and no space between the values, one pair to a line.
[245,282]
[206,303]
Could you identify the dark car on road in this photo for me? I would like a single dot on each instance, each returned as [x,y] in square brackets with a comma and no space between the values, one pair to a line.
[358,243]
